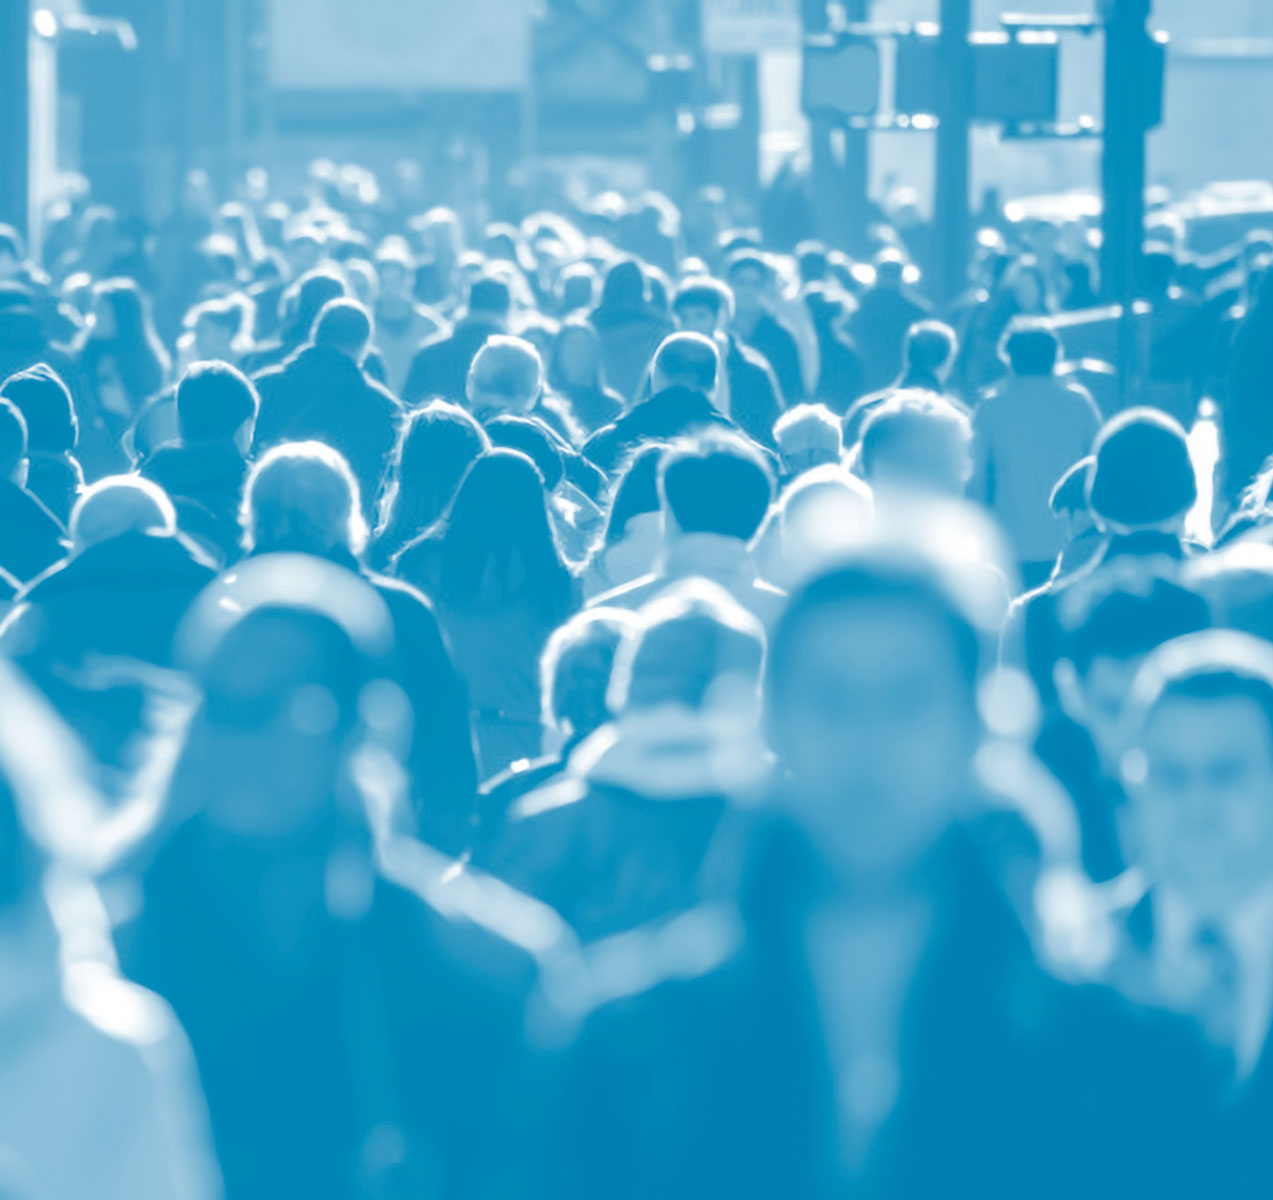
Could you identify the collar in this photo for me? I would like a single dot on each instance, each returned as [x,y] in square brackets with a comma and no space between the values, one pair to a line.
[712,555]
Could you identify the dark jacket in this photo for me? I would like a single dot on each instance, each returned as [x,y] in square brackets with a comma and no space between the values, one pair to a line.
[440,367]
[755,401]
[204,480]
[321,393]
[667,414]
[31,538]
[776,344]
[629,337]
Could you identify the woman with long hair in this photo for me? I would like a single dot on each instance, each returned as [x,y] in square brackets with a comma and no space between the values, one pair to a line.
[495,571]
[122,364]
[437,445]
[574,371]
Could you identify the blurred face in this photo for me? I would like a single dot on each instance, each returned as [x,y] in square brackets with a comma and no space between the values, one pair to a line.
[876,729]
[303,255]
[1203,791]
[697,318]
[577,357]
[394,280]
[213,339]
[749,291]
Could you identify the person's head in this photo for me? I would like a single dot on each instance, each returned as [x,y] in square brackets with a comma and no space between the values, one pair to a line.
[577,287]
[395,269]
[808,436]
[534,440]
[918,442]
[575,670]
[1200,771]
[13,443]
[345,326]
[625,287]
[813,262]
[686,360]
[1109,624]
[218,327]
[694,647]
[1157,271]
[1068,501]
[715,483]
[217,403]
[490,299]
[751,279]
[120,314]
[1031,349]
[575,361]
[437,445]
[930,349]
[506,376]
[303,250]
[872,699]
[44,401]
[302,496]
[306,298]
[118,505]
[703,305]
[637,491]
[1143,478]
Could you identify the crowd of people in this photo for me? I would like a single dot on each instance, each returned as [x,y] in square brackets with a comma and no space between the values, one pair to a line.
[622,704]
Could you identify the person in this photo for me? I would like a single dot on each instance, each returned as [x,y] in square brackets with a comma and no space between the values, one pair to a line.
[886,312]
[312,290]
[927,353]
[916,443]
[203,471]
[841,373]
[629,325]
[53,472]
[120,364]
[402,322]
[684,376]
[507,378]
[575,672]
[93,1061]
[493,569]
[574,372]
[753,400]
[632,541]
[1109,625]
[1245,428]
[808,436]
[435,447]
[714,491]
[440,367]
[1199,776]
[302,498]
[1027,431]
[321,392]
[31,538]
[1081,537]
[863,983]
[751,280]
[621,838]
[327,973]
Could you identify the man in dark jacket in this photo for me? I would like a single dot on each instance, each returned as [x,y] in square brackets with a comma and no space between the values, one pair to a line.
[322,393]
[31,538]
[440,368]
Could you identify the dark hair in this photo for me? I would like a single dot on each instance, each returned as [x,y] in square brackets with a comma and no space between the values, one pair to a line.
[637,491]
[344,325]
[1222,683]
[625,286]
[1070,493]
[488,294]
[45,401]
[1113,616]
[688,360]
[930,345]
[499,520]
[214,399]
[873,579]
[573,327]
[1032,349]
[812,261]
[13,434]
[532,438]
[748,260]
[716,483]
[315,290]
[135,347]
[1143,474]
[704,292]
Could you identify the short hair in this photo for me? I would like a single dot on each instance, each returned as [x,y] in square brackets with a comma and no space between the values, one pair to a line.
[302,495]
[1070,493]
[45,403]
[875,577]
[1115,614]
[120,504]
[488,294]
[687,359]
[691,642]
[930,345]
[716,483]
[810,425]
[1143,474]
[509,367]
[532,438]
[904,413]
[214,400]
[702,291]
[813,260]
[1031,348]
[13,437]
[576,666]
[749,260]
[343,324]
[1217,664]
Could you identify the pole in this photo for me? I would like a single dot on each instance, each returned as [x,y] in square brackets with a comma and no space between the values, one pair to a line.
[1127,86]
[951,218]
[15,114]
[857,162]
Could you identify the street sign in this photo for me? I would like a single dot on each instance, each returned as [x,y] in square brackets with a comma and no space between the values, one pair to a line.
[750,26]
